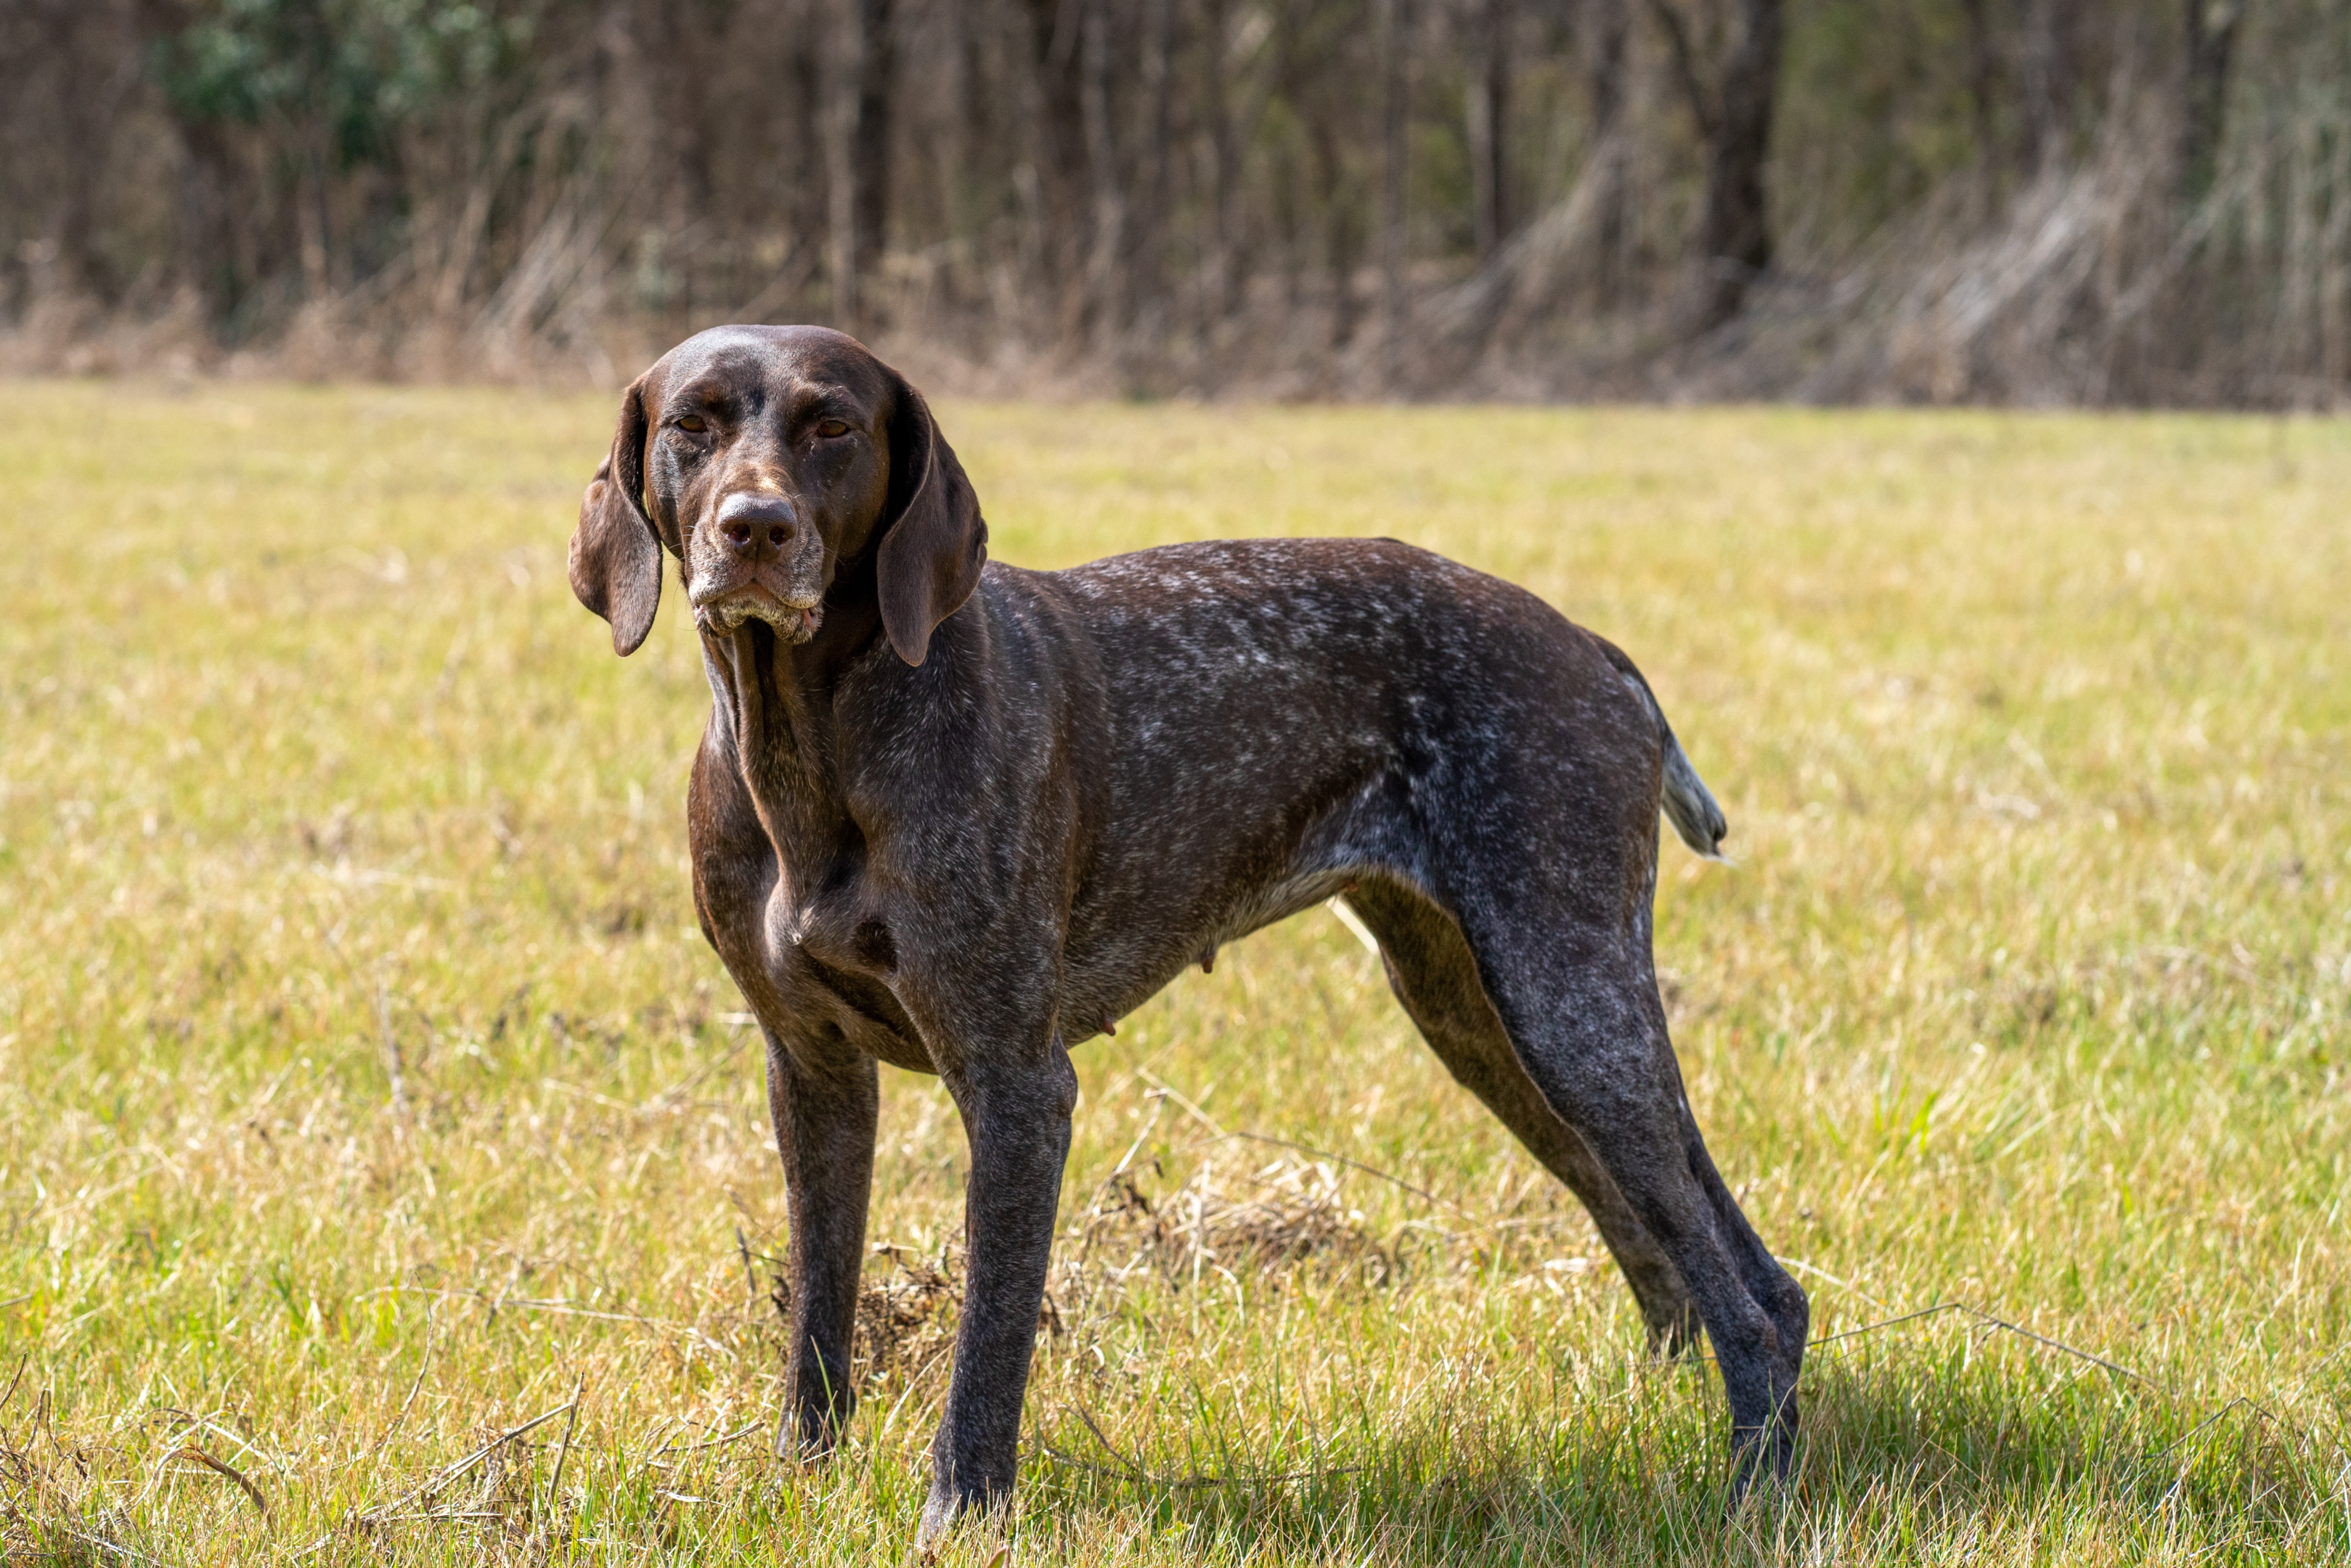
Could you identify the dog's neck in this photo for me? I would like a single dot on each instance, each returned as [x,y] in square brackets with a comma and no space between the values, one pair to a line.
[777,700]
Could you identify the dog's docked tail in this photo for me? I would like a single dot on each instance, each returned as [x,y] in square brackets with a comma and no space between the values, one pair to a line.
[1686,802]
[1689,807]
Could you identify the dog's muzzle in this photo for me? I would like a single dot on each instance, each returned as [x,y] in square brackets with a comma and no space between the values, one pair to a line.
[722,611]
[754,560]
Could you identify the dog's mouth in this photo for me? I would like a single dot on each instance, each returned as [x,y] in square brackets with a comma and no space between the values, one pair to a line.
[722,612]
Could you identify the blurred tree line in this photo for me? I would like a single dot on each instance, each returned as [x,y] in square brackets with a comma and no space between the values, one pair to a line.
[2025,200]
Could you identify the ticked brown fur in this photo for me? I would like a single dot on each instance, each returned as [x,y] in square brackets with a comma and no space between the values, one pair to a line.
[960,817]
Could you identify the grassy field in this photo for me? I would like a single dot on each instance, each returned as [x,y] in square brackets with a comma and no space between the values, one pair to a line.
[366,1091]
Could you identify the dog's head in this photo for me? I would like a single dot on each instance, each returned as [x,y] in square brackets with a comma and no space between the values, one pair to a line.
[767,459]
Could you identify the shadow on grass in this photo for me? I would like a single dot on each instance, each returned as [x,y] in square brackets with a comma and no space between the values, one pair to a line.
[1898,1450]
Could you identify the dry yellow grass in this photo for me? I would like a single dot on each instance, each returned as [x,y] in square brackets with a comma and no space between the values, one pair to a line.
[365,1091]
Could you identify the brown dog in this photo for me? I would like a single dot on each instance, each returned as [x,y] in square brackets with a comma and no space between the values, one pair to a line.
[960,817]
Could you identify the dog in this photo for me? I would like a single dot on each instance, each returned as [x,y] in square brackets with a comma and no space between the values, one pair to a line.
[961,817]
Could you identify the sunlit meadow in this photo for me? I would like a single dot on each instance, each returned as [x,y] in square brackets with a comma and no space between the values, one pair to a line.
[368,1095]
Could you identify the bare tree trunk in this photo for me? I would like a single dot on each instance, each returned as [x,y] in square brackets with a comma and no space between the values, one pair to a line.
[85,112]
[1149,272]
[2335,271]
[1340,231]
[1490,119]
[869,159]
[1735,117]
[1735,233]
[1290,206]
[840,191]
[1227,284]
[310,218]
[1105,260]
[1608,26]
[960,163]
[207,251]
[811,199]
[2050,81]
[1983,73]
[2204,91]
[1395,150]
[1054,29]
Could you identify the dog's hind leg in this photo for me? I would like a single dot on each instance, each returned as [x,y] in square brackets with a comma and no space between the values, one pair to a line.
[1587,1024]
[1431,972]
[1766,1280]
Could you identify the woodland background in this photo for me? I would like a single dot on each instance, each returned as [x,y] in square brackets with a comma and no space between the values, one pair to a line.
[2021,201]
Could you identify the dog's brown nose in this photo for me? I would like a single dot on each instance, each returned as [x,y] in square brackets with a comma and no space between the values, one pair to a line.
[757,525]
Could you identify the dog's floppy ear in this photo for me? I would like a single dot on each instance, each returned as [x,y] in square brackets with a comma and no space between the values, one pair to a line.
[616,560]
[935,541]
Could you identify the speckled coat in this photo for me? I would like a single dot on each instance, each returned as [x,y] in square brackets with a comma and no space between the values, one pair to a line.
[961,817]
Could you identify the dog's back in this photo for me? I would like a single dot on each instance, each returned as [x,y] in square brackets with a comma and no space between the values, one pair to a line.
[1280,715]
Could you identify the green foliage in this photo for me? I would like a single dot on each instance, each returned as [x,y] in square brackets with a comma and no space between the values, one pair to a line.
[349,72]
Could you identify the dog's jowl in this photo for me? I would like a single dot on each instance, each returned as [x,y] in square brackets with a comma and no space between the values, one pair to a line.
[960,817]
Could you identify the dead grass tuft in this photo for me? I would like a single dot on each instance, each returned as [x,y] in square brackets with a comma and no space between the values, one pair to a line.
[1284,1214]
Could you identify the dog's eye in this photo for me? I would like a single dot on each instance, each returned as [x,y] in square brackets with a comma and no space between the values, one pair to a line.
[832,428]
[692,423]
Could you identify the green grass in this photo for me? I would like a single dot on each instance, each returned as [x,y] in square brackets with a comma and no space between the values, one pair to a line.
[365,1090]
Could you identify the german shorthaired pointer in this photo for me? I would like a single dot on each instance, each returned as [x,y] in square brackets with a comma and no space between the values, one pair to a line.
[959,817]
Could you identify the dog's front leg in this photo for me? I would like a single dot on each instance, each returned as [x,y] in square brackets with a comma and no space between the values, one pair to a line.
[825,1103]
[1016,1115]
